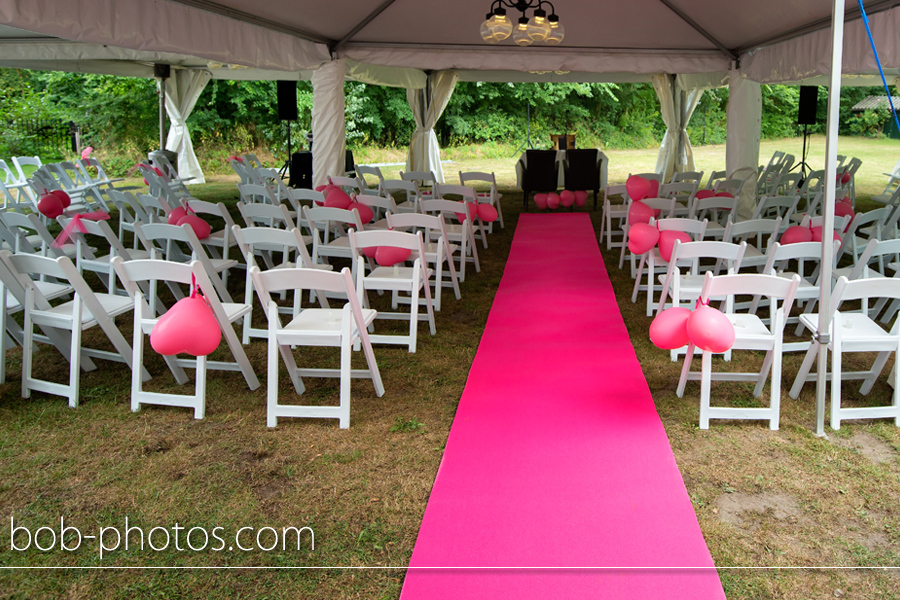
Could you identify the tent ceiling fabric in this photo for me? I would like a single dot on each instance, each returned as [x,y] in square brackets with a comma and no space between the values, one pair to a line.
[267,39]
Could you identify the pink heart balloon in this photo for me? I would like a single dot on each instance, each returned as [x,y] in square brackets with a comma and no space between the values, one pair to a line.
[63,197]
[637,187]
[388,256]
[669,328]
[653,190]
[541,200]
[724,195]
[189,326]
[487,213]
[667,242]
[640,213]
[366,214]
[201,228]
[704,194]
[371,251]
[796,234]
[50,206]
[337,198]
[567,198]
[816,233]
[710,330]
[642,237]
[176,215]
[553,200]
[581,197]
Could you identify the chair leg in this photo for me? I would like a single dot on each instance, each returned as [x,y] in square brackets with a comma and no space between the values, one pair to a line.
[705,380]
[685,370]
[805,368]
[836,366]
[272,376]
[344,412]
[200,398]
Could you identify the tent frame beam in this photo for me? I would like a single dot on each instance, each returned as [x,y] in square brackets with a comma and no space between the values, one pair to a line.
[696,26]
[361,25]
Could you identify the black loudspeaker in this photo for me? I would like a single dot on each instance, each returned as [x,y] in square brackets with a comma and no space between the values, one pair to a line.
[162,71]
[287,100]
[301,170]
[806,110]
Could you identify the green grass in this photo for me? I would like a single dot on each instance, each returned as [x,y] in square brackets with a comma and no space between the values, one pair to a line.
[363,491]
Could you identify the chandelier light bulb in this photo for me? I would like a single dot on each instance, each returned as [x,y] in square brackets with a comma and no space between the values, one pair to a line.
[557,32]
[539,28]
[497,27]
[488,32]
[502,25]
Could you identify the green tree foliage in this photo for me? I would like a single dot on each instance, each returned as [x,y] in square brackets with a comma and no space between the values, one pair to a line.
[119,115]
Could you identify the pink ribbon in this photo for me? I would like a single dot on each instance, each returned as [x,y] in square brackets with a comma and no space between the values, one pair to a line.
[63,237]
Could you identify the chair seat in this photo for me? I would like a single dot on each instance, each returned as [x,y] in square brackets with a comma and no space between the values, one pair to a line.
[749,329]
[321,321]
[113,305]
[856,328]
[48,289]
[388,278]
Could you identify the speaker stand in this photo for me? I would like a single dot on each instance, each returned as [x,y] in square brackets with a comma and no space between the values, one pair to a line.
[527,143]
[287,164]
[804,167]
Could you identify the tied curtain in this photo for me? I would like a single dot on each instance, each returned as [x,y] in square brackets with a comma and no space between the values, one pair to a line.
[676,107]
[428,105]
[182,92]
[328,126]
[744,115]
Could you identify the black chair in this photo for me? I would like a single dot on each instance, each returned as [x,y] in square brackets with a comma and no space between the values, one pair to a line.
[582,169]
[539,172]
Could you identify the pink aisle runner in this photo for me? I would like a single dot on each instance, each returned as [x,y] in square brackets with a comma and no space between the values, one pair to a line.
[557,469]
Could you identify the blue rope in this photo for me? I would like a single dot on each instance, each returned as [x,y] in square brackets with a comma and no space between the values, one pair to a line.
[865,19]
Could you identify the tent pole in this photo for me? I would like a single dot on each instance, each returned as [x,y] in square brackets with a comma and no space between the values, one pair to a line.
[831,143]
[162,113]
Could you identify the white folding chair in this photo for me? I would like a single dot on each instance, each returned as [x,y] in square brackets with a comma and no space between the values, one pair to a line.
[151,272]
[716,210]
[380,205]
[343,327]
[751,333]
[761,232]
[395,279]
[461,193]
[330,227]
[84,311]
[219,241]
[436,252]
[266,242]
[490,196]
[772,207]
[85,256]
[613,215]
[406,194]
[363,170]
[853,330]
[461,233]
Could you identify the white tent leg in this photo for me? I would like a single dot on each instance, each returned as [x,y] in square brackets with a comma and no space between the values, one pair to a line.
[328,121]
[742,150]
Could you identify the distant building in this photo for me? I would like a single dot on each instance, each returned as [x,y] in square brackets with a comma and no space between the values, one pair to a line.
[881,103]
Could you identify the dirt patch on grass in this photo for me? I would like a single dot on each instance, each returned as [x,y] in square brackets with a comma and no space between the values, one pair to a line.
[734,508]
[868,445]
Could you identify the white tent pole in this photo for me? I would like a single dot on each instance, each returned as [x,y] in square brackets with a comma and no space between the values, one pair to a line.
[162,113]
[831,143]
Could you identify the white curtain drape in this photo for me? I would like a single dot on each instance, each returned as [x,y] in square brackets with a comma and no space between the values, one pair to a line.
[676,107]
[428,105]
[744,116]
[329,132]
[182,91]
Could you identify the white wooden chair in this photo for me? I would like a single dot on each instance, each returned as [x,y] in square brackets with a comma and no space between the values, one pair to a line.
[761,232]
[341,327]
[406,194]
[460,233]
[219,241]
[490,196]
[461,193]
[853,330]
[436,252]
[151,272]
[395,279]
[614,216]
[85,310]
[751,333]
[330,227]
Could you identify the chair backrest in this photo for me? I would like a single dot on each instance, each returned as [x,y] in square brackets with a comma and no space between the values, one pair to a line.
[752,284]
[329,282]
[20,162]
[417,221]
[665,205]
[20,225]
[256,193]
[363,170]
[327,220]
[743,231]
[840,222]
[395,187]
[696,229]
[348,184]
[424,179]
[687,177]
[267,215]
[129,207]
[446,191]
[727,252]
[776,206]
[99,229]
[731,186]
[381,204]
[875,249]
[683,189]
[252,160]
[271,239]
[541,172]
[714,208]
[780,255]
[848,290]
[813,184]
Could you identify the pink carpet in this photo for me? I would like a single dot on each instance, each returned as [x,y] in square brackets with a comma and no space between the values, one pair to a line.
[557,469]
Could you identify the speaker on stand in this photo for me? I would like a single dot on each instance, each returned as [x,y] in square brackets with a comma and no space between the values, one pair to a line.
[806,116]
[287,111]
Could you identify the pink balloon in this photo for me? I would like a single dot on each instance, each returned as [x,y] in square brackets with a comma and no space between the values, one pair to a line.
[701,194]
[637,187]
[710,330]
[669,328]
[795,234]
[642,237]
[553,200]
[842,209]
[640,213]
[817,234]
[653,191]
[724,195]
[487,213]
[189,326]
[846,200]
[387,256]
[86,153]
[201,228]
[541,200]
[50,206]
[472,211]
[845,178]
[567,198]
[176,215]
[321,188]
[366,214]
[337,198]
[371,251]
[667,242]
[581,197]
[63,198]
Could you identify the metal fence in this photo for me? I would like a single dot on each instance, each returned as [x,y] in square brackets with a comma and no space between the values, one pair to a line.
[29,137]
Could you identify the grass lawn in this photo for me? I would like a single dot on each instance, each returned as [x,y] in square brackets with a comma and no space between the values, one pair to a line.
[763,499]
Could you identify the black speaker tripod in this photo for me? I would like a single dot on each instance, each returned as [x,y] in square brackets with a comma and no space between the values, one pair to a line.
[287,164]
[804,167]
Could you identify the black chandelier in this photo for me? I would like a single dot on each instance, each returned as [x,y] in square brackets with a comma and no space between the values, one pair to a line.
[540,28]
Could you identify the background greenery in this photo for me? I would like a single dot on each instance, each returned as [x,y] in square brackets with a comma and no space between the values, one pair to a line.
[118,115]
